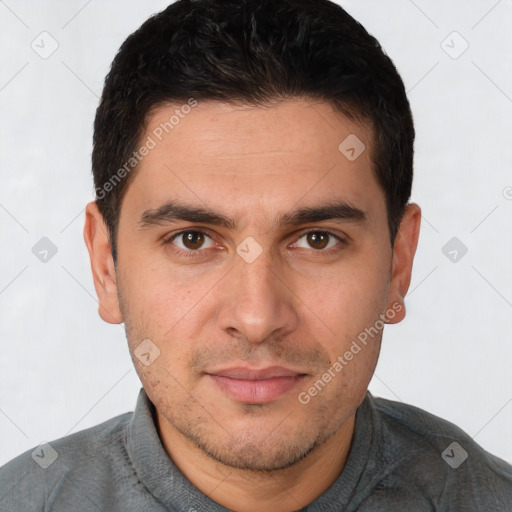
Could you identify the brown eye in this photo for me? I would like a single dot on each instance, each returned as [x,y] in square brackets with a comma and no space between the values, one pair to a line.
[192,241]
[318,239]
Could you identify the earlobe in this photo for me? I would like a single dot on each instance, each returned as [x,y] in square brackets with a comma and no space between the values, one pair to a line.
[102,265]
[404,249]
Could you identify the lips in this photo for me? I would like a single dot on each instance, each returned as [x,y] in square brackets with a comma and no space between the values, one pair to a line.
[255,386]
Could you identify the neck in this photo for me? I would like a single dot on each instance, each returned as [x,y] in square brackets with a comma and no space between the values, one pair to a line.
[283,490]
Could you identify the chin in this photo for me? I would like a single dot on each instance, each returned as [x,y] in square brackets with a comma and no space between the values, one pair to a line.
[257,450]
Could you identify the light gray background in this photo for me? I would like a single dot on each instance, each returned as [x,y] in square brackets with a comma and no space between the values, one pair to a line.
[62,369]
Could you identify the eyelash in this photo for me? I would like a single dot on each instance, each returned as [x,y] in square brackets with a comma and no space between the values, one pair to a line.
[198,253]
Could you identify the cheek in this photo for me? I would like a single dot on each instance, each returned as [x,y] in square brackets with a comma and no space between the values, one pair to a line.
[348,299]
[159,296]
[170,309]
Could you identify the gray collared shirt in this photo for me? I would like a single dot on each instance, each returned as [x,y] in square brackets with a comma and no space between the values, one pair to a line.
[401,458]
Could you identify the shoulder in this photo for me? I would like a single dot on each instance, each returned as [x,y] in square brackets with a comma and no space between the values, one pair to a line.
[441,459]
[30,478]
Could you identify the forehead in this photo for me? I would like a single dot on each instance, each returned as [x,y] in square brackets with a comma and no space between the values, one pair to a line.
[235,155]
[294,126]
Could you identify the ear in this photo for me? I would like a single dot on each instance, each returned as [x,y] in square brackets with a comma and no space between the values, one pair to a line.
[404,249]
[102,265]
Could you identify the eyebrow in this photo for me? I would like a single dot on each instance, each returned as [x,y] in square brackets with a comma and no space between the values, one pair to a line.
[172,212]
[340,211]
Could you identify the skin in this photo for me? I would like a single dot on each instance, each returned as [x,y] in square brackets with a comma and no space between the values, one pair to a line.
[298,305]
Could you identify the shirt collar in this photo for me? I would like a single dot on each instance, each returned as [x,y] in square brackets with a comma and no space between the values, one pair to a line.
[170,487]
[155,468]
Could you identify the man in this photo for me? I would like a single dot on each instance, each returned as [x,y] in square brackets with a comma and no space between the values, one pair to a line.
[253,166]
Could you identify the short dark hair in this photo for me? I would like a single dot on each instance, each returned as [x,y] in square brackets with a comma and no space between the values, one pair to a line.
[254,52]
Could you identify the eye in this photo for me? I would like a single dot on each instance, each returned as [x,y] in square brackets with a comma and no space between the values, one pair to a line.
[191,240]
[318,240]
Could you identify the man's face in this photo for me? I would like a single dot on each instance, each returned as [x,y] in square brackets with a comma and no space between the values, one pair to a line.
[252,253]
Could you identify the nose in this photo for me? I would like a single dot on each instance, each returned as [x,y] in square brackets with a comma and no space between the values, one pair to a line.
[257,304]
